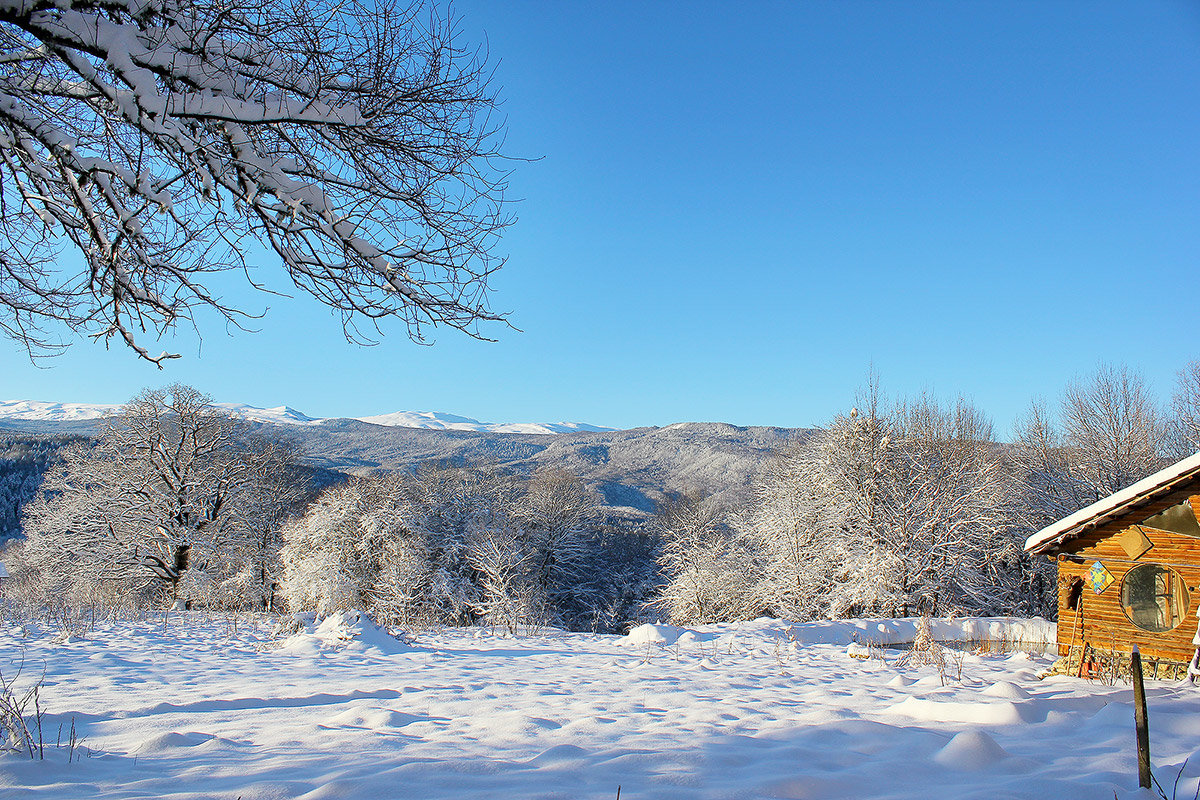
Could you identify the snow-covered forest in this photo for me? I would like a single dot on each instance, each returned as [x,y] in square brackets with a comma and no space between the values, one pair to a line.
[359,146]
[897,507]
[23,460]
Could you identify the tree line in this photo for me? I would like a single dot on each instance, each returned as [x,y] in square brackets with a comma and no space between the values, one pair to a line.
[465,545]
[893,508]
[911,506]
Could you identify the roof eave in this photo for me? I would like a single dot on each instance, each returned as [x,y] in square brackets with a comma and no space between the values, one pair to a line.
[1140,493]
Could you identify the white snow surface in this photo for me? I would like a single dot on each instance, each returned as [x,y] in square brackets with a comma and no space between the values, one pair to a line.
[192,706]
[36,410]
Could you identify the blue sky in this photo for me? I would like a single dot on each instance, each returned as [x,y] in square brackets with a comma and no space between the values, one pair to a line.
[737,208]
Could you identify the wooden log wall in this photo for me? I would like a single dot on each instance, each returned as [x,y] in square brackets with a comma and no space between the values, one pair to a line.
[1104,624]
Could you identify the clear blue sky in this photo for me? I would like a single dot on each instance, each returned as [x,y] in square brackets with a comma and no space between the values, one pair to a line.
[739,206]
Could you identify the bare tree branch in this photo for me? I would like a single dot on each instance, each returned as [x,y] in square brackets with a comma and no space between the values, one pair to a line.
[145,143]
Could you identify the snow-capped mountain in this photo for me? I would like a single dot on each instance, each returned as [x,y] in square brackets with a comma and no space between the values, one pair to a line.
[280,415]
[38,411]
[450,422]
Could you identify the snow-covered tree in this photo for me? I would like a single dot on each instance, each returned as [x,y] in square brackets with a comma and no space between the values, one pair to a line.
[709,575]
[465,514]
[794,526]
[949,521]
[813,522]
[460,545]
[890,509]
[398,545]
[156,139]
[352,550]
[171,488]
[559,517]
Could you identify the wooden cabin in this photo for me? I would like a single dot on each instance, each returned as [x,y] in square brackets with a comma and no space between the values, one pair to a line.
[1129,573]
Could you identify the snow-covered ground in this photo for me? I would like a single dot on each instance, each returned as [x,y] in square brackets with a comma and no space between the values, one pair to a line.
[190,708]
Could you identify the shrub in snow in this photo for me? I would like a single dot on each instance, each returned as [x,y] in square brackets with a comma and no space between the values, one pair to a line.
[346,630]
[651,633]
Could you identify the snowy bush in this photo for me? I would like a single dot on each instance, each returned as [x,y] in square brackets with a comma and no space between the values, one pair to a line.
[453,546]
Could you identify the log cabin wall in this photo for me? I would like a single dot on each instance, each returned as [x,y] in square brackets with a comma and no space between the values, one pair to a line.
[1103,623]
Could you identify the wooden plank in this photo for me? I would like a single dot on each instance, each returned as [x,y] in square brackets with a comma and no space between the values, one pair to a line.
[1105,625]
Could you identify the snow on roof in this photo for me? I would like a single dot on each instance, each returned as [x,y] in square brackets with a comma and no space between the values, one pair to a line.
[1158,483]
[3,571]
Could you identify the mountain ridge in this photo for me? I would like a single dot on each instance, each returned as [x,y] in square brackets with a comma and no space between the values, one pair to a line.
[630,470]
[56,412]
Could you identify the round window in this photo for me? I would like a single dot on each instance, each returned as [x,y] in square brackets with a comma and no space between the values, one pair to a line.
[1154,597]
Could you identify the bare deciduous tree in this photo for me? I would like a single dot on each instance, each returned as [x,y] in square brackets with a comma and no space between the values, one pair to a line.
[171,493]
[155,138]
[1108,433]
[1113,429]
[1185,406]
[1046,470]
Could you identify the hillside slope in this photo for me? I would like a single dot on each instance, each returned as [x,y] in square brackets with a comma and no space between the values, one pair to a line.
[631,469]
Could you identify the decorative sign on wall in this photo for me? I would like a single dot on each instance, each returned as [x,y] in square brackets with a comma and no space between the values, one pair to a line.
[1099,577]
[1134,542]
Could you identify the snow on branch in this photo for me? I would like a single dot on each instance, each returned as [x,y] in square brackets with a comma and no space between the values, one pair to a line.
[156,139]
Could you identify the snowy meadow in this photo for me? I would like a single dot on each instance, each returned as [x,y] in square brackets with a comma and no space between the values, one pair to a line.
[192,705]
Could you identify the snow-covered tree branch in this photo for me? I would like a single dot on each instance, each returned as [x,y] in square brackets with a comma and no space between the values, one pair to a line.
[148,143]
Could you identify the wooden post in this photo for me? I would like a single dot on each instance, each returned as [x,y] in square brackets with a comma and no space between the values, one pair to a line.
[1139,719]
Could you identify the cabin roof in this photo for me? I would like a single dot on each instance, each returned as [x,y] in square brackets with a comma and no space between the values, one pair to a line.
[1144,491]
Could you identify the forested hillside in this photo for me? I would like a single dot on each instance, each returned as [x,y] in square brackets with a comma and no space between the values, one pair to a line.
[23,460]
[631,470]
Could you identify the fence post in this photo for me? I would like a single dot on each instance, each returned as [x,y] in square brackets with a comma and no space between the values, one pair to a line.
[1140,719]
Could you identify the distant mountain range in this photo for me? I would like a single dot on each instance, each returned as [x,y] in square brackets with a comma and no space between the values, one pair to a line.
[631,470]
[43,412]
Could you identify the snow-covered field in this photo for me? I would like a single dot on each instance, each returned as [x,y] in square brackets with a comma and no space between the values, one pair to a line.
[193,709]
